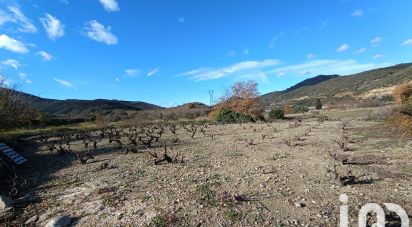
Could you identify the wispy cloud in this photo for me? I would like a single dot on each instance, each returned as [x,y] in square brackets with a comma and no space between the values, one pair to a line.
[46,56]
[11,63]
[5,18]
[13,45]
[357,13]
[407,42]
[360,51]
[377,56]
[181,20]
[53,26]
[100,33]
[231,53]
[24,78]
[310,56]
[375,41]
[323,25]
[264,69]
[244,52]
[110,5]
[343,47]
[153,72]
[131,72]
[64,83]
[273,42]
[241,69]
[117,80]
[26,24]
[322,67]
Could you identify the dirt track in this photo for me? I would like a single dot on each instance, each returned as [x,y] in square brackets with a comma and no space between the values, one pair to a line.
[246,175]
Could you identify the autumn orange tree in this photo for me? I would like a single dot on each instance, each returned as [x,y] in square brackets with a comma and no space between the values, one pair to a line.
[403,97]
[403,93]
[242,99]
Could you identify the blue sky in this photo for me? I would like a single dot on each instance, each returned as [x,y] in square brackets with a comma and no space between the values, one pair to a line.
[175,51]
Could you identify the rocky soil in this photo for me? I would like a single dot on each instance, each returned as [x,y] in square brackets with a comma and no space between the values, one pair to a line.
[275,174]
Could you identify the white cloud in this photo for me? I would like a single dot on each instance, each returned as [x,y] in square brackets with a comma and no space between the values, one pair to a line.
[117,80]
[23,77]
[357,13]
[11,44]
[153,72]
[110,5]
[305,72]
[16,16]
[46,56]
[375,41]
[53,27]
[241,69]
[181,20]
[11,63]
[245,51]
[266,68]
[64,83]
[100,33]
[4,18]
[322,67]
[131,72]
[360,51]
[377,56]
[343,47]
[25,23]
[407,42]
[311,56]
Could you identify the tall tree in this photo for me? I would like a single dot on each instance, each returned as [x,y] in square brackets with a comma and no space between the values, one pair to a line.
[243,98]
[14,109]
[318,104]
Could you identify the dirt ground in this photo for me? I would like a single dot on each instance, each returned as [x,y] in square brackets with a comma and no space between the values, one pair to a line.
[270,174]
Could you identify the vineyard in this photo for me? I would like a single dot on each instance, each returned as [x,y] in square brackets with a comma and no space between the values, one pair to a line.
[288,172]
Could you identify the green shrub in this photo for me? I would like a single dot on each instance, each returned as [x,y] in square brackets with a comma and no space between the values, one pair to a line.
[276,114]
[44,118]
[158,221]
[227,116]
[300,109]
[232,214]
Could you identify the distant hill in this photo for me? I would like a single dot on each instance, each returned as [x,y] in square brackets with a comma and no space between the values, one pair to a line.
[311,81]
[74,107]
[378,83]
[192,105]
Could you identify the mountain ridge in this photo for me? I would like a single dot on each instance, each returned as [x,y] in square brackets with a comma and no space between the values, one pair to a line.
[368,84]
[74,107]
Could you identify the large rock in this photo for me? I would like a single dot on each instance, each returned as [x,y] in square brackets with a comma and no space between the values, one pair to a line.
[5,202]
[59,221]
[6,210]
